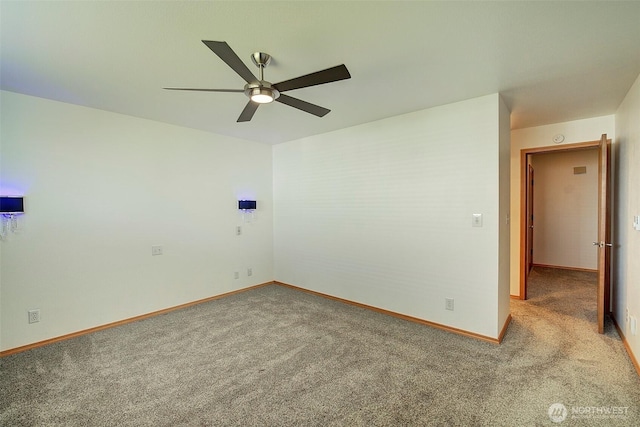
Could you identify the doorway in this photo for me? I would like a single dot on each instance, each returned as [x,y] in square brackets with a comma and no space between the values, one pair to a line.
[527,220]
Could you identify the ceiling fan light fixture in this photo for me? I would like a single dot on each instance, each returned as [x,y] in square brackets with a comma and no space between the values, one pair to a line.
[261,92]
[262,95]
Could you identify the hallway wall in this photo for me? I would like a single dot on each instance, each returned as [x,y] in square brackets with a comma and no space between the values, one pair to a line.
[565,209]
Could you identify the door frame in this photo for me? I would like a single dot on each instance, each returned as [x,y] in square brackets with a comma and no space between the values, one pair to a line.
[524,162]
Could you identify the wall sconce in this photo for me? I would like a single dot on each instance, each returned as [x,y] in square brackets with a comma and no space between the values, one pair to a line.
[248,209]
[10,206]
[247,205]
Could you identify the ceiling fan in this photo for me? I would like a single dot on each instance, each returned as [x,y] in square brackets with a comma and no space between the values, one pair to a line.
[261,91]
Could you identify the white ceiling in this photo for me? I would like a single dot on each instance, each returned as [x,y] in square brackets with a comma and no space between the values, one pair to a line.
[551,61]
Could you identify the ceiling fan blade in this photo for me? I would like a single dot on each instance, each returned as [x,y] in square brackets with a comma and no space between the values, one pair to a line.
[333,74]
[204,90]
[248,112]
[227,54]
[316,110]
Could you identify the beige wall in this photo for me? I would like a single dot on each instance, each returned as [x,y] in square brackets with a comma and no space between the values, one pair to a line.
[626,239]
[542,136]
[565,209]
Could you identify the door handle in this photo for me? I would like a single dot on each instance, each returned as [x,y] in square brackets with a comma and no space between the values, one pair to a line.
[602,244]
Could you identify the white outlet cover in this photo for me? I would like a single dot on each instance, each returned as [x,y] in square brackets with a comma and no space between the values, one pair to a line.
[34,316]
[448,304]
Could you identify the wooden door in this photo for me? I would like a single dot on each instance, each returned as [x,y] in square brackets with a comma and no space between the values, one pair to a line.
[604,230]
[529,246]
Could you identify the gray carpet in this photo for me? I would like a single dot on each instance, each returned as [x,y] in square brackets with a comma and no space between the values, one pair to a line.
[274,356]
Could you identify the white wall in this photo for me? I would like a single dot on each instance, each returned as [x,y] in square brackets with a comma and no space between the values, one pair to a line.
[102,188]
[381,214]
[626,253]
[541,136]
[565,209]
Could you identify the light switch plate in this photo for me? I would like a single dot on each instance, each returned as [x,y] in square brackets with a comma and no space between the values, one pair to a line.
[476,220]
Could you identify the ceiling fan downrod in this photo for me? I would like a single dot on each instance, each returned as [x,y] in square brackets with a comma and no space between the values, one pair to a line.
[261,60]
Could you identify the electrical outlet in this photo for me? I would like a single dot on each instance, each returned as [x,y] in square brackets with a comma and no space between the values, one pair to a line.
[236,275]
[448,304]
[34,316]
[156,250]
[249,271]
[238,230]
